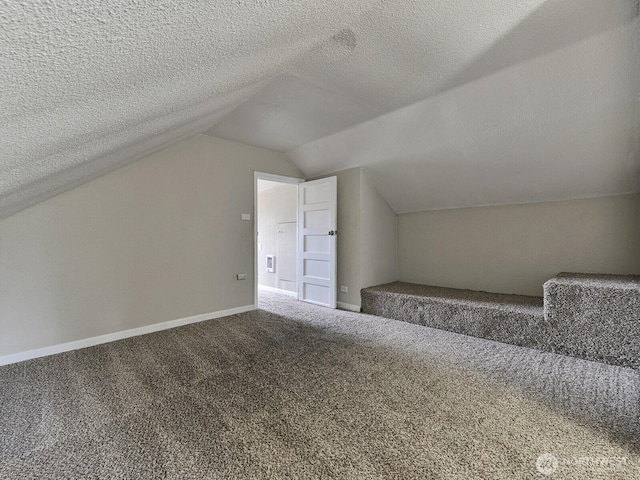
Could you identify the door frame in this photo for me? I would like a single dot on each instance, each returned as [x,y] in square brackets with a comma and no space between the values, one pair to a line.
[274,178]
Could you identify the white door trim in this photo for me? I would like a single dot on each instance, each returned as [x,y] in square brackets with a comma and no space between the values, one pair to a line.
[273,178]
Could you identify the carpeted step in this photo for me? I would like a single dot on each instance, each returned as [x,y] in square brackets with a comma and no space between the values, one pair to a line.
[514,319]
[596,317]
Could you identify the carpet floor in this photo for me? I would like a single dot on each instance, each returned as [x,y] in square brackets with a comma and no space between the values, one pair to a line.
[298,391]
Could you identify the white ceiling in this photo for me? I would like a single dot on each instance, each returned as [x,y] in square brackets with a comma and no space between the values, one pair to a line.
[446,103]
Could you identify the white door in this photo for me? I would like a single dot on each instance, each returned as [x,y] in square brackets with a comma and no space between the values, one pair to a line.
[317,238]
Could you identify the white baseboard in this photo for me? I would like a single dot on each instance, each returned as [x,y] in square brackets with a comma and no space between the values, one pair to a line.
[112,337]
[348,306]
[278,290]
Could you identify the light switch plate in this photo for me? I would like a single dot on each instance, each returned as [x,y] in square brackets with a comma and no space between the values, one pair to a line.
[246,216]
[242,276]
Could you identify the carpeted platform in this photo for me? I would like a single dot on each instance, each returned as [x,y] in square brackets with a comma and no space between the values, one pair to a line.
[299,391]
[596,317]
[514,319]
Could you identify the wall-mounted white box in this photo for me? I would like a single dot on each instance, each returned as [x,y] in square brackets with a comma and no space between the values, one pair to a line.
[271,263]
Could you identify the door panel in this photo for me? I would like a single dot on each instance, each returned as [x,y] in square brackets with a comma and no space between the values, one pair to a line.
[316,268]
[318,294]
[317,209]
[317,195]
[317,219]
[317,244]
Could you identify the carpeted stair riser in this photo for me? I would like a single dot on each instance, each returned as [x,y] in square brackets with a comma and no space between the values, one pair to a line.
[596,317]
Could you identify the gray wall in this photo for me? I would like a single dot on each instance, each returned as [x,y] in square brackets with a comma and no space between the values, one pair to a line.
[349,235]
[515,249]
[278,206]
[378,236]
[160,239]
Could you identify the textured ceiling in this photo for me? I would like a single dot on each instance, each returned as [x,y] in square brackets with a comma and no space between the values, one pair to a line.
[447,103]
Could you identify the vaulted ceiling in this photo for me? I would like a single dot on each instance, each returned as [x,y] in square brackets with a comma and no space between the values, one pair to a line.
[446,103]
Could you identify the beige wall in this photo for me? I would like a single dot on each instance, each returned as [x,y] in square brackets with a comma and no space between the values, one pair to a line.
[515,249]
[275,206]
[378,236]
[160,239]
[349,235]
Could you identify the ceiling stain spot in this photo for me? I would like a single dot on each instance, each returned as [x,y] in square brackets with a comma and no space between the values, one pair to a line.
[345,38]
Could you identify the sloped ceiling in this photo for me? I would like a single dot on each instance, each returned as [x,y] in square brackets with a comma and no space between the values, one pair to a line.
[446,103]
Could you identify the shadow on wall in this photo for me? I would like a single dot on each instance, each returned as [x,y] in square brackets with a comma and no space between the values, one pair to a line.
[565,22]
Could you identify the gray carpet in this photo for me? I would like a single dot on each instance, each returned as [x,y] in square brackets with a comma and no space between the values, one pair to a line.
[298,391]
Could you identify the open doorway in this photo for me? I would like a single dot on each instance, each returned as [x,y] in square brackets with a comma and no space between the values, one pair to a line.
[295,237]
[276,221]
